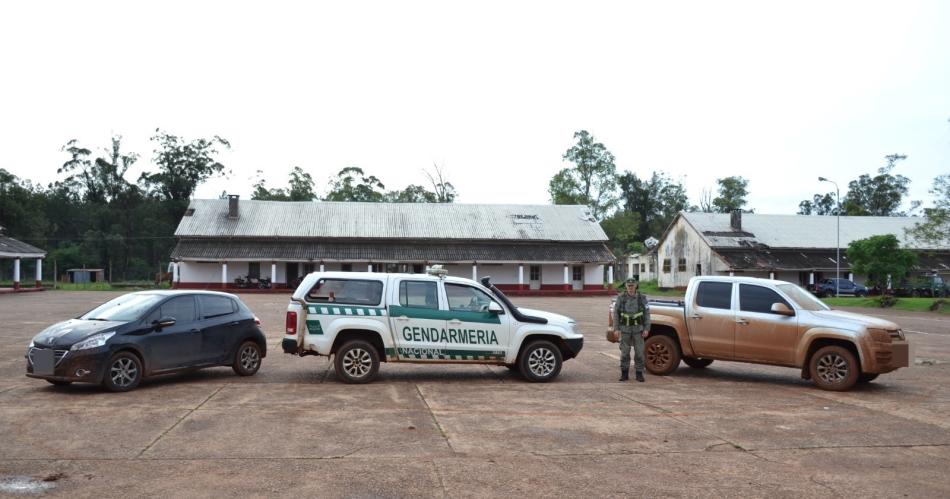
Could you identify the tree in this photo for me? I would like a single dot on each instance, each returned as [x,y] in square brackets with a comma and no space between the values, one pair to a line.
[732,193]
[657,201]
[822,204]
[879,257]
[301,185]
[182,165]
[352,184]
[591,181]
[880,195]
[443,190]
[935,229]
[411,194]
[621,230]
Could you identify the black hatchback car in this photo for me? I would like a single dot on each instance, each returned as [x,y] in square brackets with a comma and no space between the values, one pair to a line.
[149,333]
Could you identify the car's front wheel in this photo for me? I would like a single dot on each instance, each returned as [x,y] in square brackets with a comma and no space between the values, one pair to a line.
[834,368]
[356,362]
[247,360]
[124,372]
[541,361]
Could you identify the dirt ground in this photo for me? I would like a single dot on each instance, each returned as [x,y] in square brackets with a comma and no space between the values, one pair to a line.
[472,431]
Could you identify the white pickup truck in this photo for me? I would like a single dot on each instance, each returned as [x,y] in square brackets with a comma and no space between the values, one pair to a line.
[364,318]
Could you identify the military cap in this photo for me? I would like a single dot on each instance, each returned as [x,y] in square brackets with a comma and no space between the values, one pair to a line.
[631,280]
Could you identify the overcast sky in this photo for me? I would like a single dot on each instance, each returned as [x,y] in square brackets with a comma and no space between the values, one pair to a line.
[777,92]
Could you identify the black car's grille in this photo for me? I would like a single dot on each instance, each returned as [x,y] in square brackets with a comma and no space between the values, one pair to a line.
[58,355]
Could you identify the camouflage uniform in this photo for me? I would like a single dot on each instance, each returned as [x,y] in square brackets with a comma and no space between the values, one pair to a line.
[631,317]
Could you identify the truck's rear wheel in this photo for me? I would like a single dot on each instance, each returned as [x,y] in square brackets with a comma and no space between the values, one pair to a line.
[541,361]
[834,368]
[356,362]
[662,354]
[697,363]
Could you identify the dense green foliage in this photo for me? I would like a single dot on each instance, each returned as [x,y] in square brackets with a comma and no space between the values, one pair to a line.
[879,257]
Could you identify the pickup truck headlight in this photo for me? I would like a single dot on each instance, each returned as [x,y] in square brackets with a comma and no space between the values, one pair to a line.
[93,341]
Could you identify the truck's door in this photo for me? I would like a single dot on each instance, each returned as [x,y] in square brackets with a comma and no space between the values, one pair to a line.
[762,335]
[473,332]
[417,319]
[712,322]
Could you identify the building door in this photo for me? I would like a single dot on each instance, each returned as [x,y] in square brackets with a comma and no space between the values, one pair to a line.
[577,278]
[534,277]
[292,274]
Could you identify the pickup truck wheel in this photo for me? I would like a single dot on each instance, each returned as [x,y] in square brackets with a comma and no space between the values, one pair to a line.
[247,360]
[696,363]
[662,355]
[834,368]
[541,361]
[867,377]
[356,362]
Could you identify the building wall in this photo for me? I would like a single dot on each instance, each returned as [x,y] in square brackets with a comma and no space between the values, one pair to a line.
[683,241]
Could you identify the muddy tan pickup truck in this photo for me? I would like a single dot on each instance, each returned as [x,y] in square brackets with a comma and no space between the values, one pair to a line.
[771,322]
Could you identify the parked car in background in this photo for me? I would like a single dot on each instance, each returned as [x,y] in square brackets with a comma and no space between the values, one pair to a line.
[931,286]
[826,287]
[148,333]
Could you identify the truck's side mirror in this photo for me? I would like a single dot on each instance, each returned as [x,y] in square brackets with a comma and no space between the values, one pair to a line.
[163,322]
[494,308]
[782,309]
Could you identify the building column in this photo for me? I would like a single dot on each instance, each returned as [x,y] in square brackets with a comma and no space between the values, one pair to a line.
[224,275]
[16,274]
[772,275]
[369,267]
[521,285]
[475,271]
[273,274]
[39,272]
[851,276]
[321,266]
[175,275]
[732,274]
[610,275]
[567,283]
[811,278]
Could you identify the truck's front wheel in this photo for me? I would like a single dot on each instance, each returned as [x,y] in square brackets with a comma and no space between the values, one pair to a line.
[356,362]
[541,361]
[834,368]
[662,354]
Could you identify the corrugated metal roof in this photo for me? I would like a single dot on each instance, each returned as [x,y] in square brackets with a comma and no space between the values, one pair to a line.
[769,260]
[318,219]
[391,251]
[799,231]
[10,247]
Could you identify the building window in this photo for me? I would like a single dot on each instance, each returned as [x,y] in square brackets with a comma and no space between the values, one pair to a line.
[347,267]
[643,268]
[682,265]
[417,268]
[577,273]
[308,268]
[534,273]
[699,269]
[666,265]
[254,270]
[652,266]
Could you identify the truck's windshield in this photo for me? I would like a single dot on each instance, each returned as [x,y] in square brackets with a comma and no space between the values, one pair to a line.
[803,299]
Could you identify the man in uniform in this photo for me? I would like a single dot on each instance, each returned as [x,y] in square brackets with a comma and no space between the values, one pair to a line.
[632,317]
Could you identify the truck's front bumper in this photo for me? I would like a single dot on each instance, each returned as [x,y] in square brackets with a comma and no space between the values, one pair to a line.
[890,359]
[574,346]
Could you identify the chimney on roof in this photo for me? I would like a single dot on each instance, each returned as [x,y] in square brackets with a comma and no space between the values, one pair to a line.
[233,206]
[735,220]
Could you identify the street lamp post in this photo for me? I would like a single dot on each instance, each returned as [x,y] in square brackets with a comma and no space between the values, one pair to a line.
[838,239]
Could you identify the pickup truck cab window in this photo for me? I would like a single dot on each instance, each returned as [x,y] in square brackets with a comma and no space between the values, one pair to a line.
[346,291]
[419,294]
[758,299]
[466,298]
[713,294]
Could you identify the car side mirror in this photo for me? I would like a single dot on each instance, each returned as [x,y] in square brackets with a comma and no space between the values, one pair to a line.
[782,309]
[163,322]
[494,308]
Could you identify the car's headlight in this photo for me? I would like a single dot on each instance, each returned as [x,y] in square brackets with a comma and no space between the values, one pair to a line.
[94,341]
[31,344]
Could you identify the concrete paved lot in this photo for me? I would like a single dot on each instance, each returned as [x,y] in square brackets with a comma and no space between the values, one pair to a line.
[462,431]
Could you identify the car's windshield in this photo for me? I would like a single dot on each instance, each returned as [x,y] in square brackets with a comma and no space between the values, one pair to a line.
[124,308]
[803,299]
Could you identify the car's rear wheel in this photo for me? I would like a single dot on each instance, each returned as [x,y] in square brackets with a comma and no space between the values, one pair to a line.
[356,362]
[696,363]
[662,354]
[834,368]
[124,372]
[541,361]
[247,360]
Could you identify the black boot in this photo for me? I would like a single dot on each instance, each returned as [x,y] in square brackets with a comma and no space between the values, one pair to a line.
[624,374]
[640,376]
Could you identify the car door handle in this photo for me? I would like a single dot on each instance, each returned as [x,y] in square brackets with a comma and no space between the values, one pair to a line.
[235,323]
[455,322]
[695,317]
[742,321]
[402,318]
[195,331]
